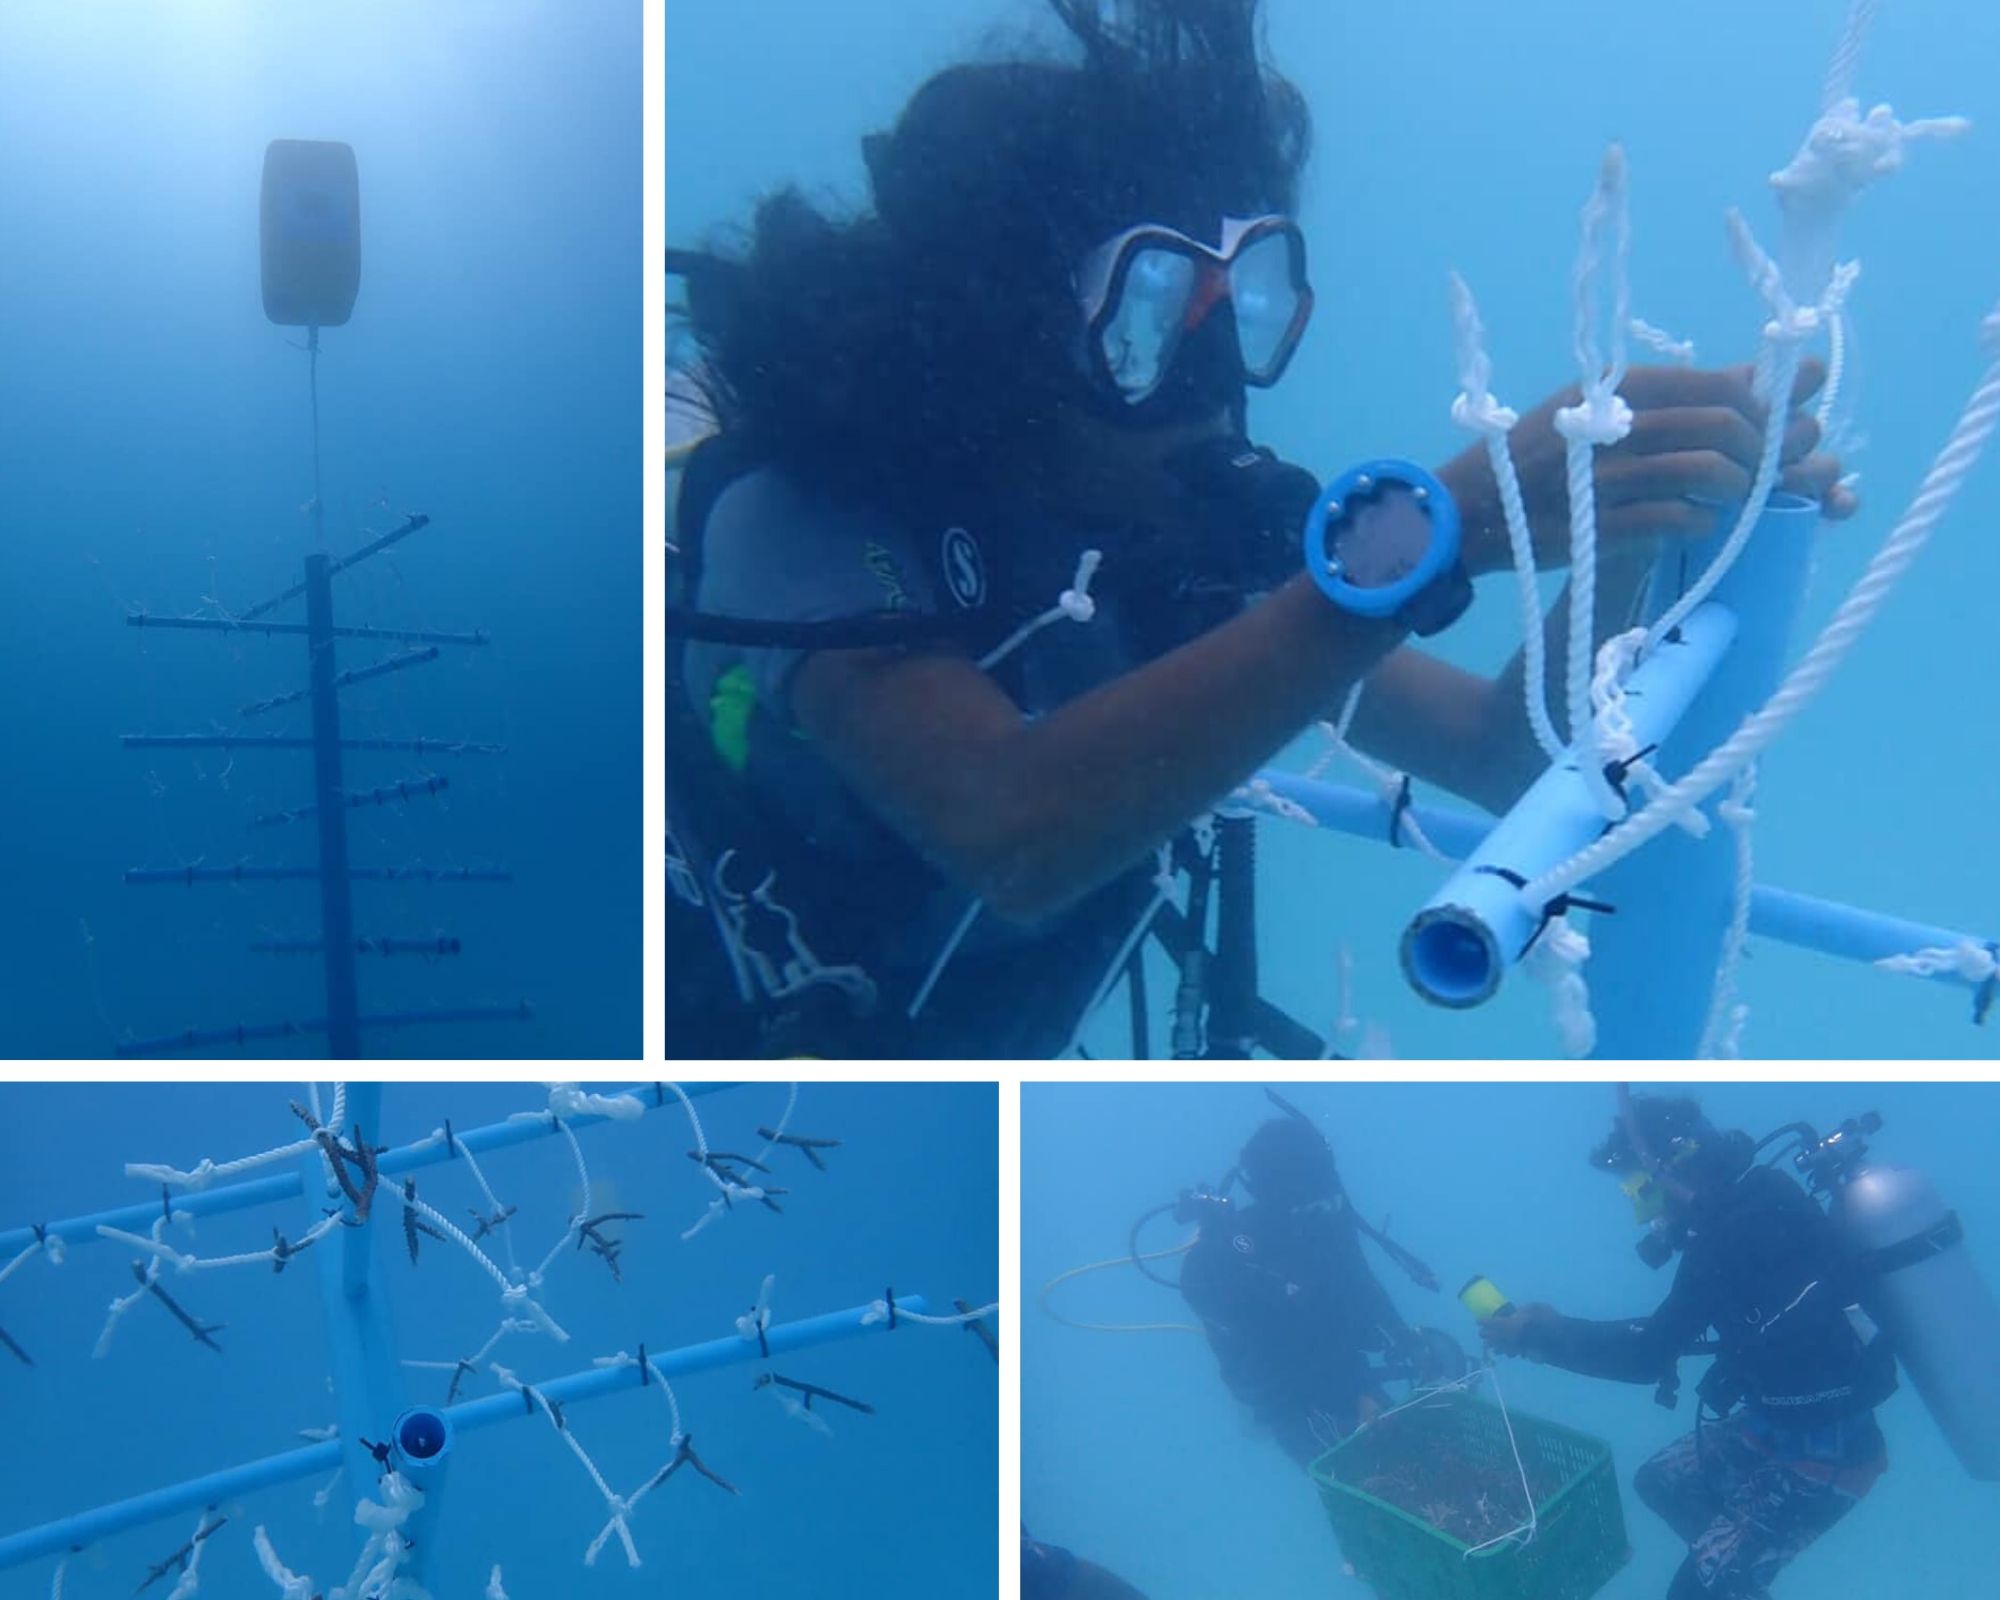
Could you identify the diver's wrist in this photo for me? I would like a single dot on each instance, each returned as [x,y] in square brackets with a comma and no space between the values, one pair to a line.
[1384,539]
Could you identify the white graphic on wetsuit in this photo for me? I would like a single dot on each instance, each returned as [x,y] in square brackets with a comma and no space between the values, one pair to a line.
[766,941]
[964,567]
[680,875]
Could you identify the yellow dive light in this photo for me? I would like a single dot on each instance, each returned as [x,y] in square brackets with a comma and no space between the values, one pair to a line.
[1482,1297]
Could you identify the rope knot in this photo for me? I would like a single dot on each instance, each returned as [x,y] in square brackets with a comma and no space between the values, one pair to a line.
[1482,414]
[1602,419]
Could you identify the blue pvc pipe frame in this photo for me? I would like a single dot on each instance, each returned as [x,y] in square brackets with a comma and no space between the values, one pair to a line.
[368,1388]
[1458,946]
[1654,959]
[91,1527]
[1824,926]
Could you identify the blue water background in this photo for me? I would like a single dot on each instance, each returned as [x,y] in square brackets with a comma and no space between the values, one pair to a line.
[908,1201]
[154,450]
[1134,1454]
[1463,135]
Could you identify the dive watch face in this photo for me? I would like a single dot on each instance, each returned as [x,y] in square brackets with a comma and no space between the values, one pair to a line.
[1382,537]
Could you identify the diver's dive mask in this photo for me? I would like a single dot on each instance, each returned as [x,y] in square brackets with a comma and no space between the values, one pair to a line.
[1651,1192]
[1147,291]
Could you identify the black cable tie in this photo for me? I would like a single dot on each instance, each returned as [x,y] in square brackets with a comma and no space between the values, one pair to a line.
[763,1344]
[1561,905]
[1616,772]
[891,1296]
[645,1370]
[659,1095]
[450,1139]
[1989,988]
[1397,812]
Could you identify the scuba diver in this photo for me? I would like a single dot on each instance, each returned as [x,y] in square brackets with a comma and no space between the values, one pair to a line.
[982,598]
[1049,1572]
[1287,1300]
[1800,1365]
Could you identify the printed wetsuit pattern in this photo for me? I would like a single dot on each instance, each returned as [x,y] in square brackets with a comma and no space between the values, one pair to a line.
[1746,1507]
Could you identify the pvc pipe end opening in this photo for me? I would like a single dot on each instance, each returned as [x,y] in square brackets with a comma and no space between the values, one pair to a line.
[1450,958]
[423,1434]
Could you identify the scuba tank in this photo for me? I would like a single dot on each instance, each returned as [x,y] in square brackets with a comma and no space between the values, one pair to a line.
[1932,1300]
[1922,1283]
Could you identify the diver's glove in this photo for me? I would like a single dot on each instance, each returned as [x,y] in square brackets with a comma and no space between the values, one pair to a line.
[1251,508]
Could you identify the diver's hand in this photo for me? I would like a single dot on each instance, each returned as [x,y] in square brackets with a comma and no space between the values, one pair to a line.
[1518,1332]
[1695,436]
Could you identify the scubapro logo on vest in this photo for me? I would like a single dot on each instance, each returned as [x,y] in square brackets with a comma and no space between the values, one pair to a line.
[964,568]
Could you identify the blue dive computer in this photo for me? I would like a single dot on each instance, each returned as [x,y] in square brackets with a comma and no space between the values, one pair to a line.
[1383,541]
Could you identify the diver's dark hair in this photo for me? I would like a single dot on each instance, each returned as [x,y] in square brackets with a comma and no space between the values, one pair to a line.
[916,351]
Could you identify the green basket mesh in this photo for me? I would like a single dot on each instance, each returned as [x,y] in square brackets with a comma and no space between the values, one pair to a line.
[1412,1494]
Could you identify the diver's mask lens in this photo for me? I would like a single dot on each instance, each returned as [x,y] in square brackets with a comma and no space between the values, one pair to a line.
[1144,292]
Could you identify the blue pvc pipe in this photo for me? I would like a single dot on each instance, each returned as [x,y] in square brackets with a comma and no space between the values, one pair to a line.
[1457,947]
[243,873]
[289,1185]
[284,741]
[1653,963]
[409,526]
[782,1340]
[1810,922]
[250,1032]
[142,619]
[420,1445]
[90,1527]
[87,1528]
[336,893]
[361,1347]
[1367,815]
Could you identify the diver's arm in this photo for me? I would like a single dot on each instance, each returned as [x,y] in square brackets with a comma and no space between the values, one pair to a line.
[1469,734]
[1639,1351]
[1033,815]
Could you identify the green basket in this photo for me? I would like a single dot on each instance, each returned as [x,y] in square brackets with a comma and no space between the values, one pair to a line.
[1447,1452]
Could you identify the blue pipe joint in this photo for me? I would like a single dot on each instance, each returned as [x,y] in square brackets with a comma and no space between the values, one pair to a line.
[1459,945]
[420,1451]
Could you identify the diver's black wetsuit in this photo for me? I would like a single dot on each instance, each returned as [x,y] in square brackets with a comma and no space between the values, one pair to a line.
[1292,1311]
[862,899]
[1764,1268]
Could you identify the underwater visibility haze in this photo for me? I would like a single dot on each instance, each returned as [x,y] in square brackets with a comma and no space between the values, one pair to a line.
[157,457]
[1136,1457]
[1461,137]
[826,1445]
